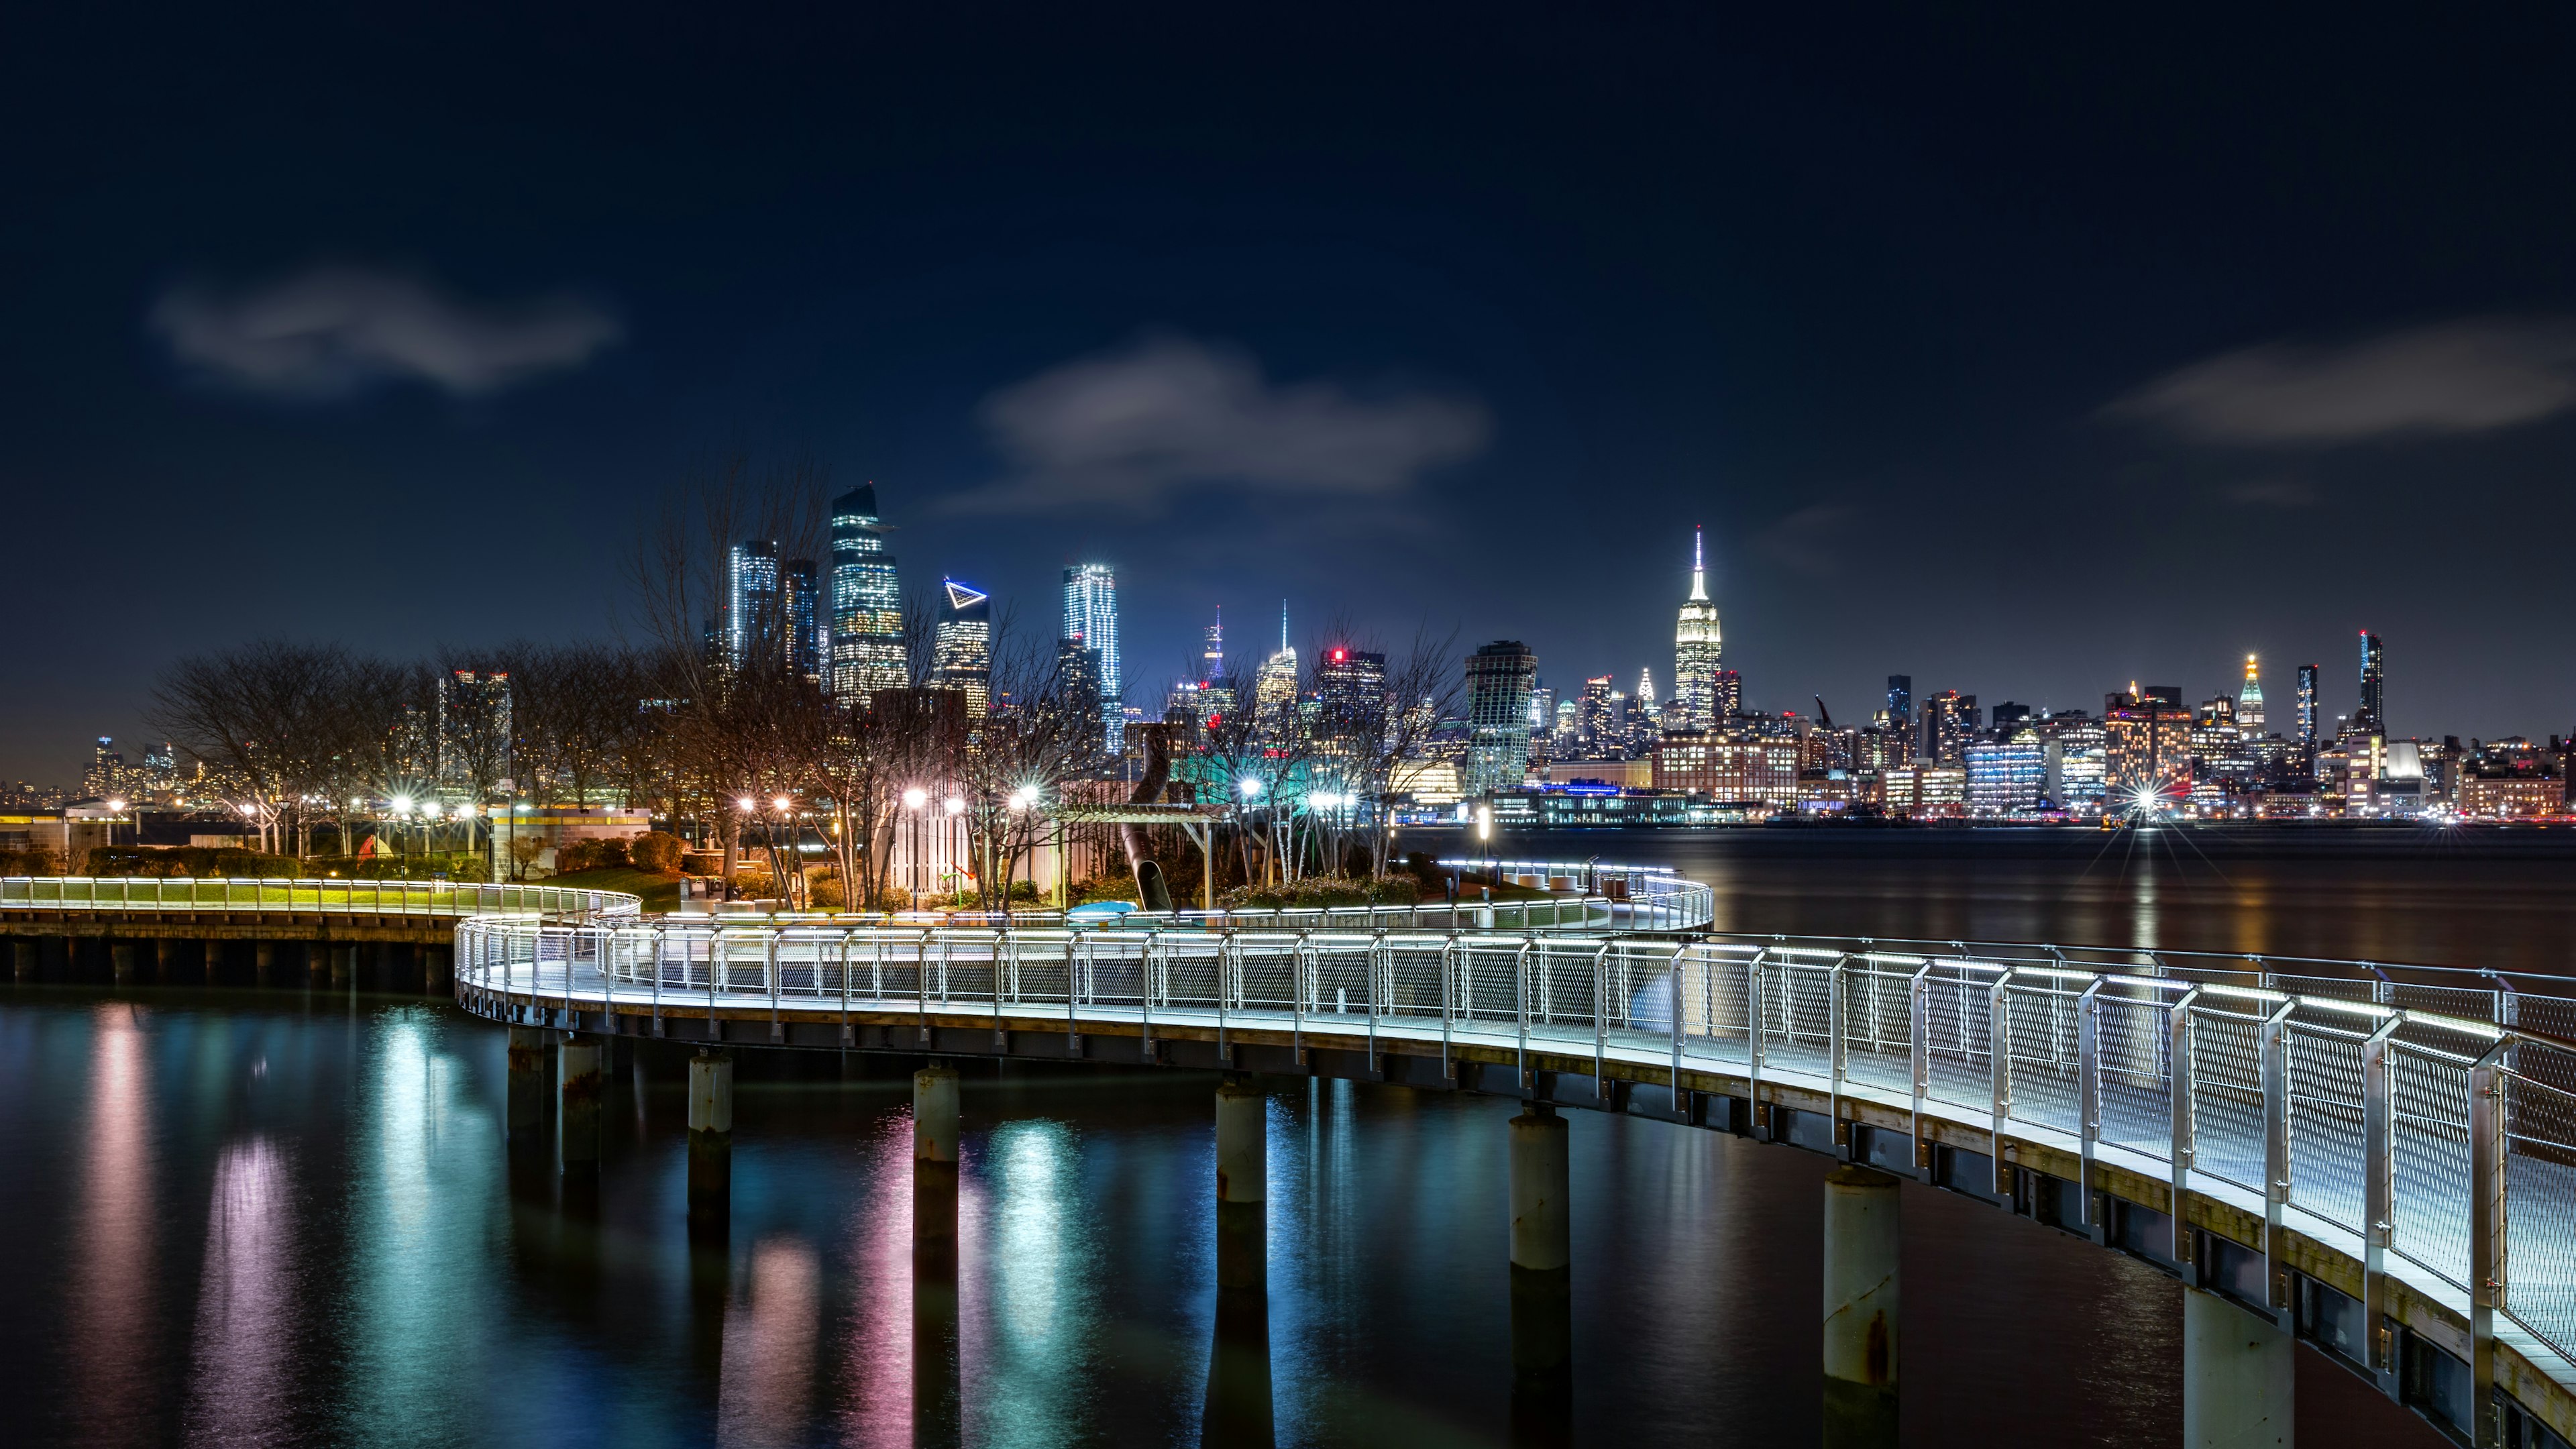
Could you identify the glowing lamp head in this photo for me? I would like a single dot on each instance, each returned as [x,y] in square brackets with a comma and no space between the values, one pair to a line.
[746,805]
[956,806]
[781,803]
[116,807]
[1251,789]
[402,804]
[914,799]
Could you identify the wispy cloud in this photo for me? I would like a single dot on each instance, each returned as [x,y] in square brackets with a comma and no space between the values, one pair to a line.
[2471,376]
[2274,493]
[1816,539]
[333,331]
[1131,428]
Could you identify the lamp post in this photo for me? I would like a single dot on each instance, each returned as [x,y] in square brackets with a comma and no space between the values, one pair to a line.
[956,808]
[114,809]
[791,887]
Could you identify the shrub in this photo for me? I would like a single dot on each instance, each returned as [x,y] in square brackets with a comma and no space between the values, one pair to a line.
[42,860]
[1318,892]
[658,851]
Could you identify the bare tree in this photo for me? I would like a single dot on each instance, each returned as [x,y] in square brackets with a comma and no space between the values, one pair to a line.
[265,716]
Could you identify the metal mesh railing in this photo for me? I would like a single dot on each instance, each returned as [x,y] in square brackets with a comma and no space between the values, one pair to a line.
[2280,1111]
[174,894]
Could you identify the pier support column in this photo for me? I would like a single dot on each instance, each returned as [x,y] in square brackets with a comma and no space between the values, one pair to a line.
[1242,1179]
[263,962]
[937,1390]
[577,1129]
[527,1086]
[710,1139]
[1861,1256]
[438,971]
[165,961]
[120,956]
[2238,1376]
[1542,1280]
[30,956]
[344,964]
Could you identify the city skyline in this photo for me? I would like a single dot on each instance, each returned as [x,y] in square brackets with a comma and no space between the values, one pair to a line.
[2059,387]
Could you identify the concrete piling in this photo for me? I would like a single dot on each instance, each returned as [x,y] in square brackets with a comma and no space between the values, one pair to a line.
[937,1394]
[30,957]
[1242,1179]
[438,971]
[1542,1279]
[165,961]
[527,1086]
[120,955]
[577,1128]
[1861,1257]
[710,1139]
[934,1154]
[2239,1373]
[263,962]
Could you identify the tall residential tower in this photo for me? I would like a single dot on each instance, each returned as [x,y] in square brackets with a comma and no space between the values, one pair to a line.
[866,652]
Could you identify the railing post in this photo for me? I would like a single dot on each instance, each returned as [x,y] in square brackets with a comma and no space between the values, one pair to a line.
[1674,975]
[1224,962]
[1999,1067]
[2088,1101]
[1448,951]
[1919,1050]
[1520,975]
[1072,991]
[1837,1063]
[1301,974]
[2276,1158]
[2489,1271]
[1601,1023]
[2178,1091]
[1753,1031]
[657,978]
[2379,1202]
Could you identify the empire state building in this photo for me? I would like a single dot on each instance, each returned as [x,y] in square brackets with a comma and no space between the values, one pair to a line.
[1696,649]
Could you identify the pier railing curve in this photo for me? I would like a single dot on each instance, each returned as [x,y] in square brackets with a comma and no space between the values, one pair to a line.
[2415,1124]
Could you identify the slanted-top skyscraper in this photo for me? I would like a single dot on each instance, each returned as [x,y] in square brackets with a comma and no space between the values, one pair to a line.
[1696,648]
[1091,623]
[964,647]
[867,651]
[2249,703]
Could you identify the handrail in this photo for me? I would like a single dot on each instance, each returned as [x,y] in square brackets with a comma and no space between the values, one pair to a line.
[2225,1084]
[259,896]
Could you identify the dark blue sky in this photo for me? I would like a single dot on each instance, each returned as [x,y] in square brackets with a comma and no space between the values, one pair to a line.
[2025,356]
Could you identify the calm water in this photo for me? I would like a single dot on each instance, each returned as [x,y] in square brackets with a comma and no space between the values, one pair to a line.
[281,1218]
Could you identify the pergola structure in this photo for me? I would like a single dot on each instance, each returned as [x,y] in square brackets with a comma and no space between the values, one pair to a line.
[1199,822]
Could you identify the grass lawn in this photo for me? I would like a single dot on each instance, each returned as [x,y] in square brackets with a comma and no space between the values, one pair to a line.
[660,892]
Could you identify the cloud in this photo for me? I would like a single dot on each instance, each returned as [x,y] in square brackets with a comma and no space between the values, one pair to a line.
[334,331]
[2472,376]
[1129,429]
[1817,539]
[2274,493]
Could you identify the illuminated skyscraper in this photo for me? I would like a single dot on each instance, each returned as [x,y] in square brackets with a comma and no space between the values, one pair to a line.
[796,606]
[1091,619]
[866,650]
[2249,703]
[1696,648]
[1900,705]
[1274,688]
[753,623]
[1500,677]
[2368,720]
[963,652]
[2307,707]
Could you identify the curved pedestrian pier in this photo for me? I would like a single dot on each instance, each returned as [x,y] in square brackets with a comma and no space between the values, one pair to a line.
[2382,1161]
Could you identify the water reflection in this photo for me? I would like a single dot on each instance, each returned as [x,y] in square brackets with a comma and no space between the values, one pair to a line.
[114,1302]
[237,1389]
[768,1375]
[1034,1256]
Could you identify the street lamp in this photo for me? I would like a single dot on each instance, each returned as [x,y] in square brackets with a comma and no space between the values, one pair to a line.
[114,809]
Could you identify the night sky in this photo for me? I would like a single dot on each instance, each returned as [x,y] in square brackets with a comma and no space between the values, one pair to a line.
[2023,354]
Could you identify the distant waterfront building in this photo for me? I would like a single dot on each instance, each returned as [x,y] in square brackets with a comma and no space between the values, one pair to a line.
[1091,623]
[1900,703]
[2078,767]
[2308,708]
[865,650]
[1274,685]
[1924,791]
[796,606]
[963,649]
[1351,707]
[474,732]
[753,623]
[1950,721]
[2146,744]
[1730,771]
[2249,702]
[1500,677]
[1697,648]
[2008,779]
[2368,719]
